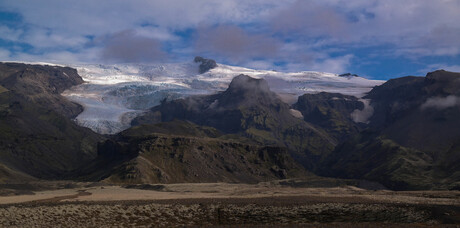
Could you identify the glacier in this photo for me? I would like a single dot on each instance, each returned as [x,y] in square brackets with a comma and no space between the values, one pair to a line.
[113,95]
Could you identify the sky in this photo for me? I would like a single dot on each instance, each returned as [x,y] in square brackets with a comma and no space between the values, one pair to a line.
[378,39]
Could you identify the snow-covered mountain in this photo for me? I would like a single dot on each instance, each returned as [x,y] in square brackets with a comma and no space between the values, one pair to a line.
[115,94]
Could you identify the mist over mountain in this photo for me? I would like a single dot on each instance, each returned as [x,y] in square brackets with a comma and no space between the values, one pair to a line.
[411,141]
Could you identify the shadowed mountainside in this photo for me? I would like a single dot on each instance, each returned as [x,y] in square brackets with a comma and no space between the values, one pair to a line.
[178,151]
[243,134]
[413,138]
[331,112]
[37,136]
[248,108]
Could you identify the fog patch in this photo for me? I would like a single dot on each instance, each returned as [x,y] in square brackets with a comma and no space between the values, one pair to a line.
[296,113]
[288,98]
[277,83]
[214,104]
[340,98]
[362,116]
[441,102]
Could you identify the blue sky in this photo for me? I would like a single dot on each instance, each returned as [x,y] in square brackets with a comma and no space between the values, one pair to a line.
[378,39]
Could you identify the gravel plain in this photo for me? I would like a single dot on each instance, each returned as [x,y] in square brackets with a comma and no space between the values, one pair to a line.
[229,205]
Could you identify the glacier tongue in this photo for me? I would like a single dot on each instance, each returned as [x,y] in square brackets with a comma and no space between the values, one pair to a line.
[115,94]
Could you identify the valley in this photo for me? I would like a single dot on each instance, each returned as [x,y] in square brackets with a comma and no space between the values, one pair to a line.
[207,144]
[230,113]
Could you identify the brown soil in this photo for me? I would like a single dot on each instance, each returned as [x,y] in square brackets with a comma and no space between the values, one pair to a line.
[230,205]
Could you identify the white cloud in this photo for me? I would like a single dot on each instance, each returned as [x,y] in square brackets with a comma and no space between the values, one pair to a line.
[4,55]
[362,116]
[260,65]
[433,67]
[157,33]
[441,102]
[59,26]
[44,38]
[108,16]
[313,30]
[90,55]
[410,28]
[9,34]
[333,65]
[329,64]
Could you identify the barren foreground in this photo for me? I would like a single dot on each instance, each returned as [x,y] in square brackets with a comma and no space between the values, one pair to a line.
[270,203]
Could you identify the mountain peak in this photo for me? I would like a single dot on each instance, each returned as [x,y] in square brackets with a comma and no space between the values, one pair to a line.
[348,75]
[244,82]
[442,75]
[206,64]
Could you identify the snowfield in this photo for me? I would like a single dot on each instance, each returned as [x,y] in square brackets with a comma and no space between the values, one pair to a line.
[115,94]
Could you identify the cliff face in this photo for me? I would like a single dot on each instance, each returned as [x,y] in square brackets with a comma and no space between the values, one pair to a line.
[37,136]
[244,134]
[205,64]
[42,85]
[413,137]
[248,108]
[178,152]
[331,112]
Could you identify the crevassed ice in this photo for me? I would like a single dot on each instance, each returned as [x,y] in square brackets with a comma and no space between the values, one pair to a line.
[115,94]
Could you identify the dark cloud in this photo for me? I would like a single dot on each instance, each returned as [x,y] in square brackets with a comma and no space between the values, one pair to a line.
[234,43]
[309,18]
[128,47]
[442,40]
[268,34]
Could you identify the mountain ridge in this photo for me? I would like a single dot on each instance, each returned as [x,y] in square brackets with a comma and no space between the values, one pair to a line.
[35,123]
[408,135]
[127,90]
[246,133]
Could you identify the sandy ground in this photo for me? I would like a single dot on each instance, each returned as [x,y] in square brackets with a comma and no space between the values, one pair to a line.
[225,190]
[211,204]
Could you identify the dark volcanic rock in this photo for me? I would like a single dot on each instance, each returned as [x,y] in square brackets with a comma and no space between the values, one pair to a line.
[330,111]
[37,136]
[42,85]
[205,64]
[248,108]
[348,75]
[413,137]
[179,151]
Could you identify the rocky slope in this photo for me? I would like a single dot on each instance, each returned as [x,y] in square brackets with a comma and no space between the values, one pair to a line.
[250,109]
[38,139]
[413,137]
[205,64]
[37,136]
[331,112]
[403,134]
[177,152]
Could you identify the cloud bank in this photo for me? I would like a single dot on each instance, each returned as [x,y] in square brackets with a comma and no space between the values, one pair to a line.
[361,36]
